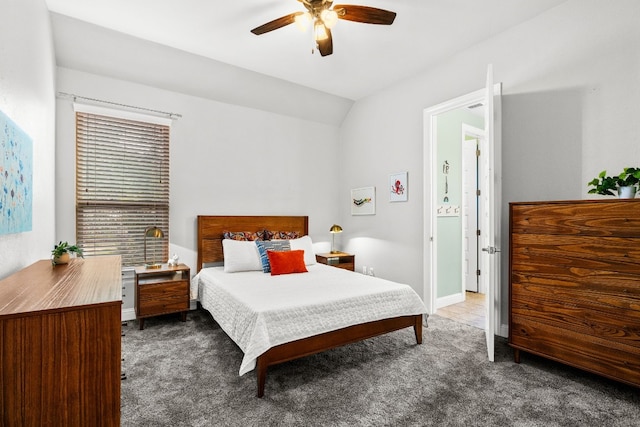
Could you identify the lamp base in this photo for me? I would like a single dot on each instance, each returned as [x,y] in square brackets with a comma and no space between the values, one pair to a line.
[335,252]
[152,266]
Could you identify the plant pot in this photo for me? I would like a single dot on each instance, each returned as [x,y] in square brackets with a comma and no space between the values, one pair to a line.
[62,259]
[627,192]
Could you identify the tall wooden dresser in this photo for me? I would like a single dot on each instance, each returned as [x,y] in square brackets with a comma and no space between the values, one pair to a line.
[574,289]
[60,335]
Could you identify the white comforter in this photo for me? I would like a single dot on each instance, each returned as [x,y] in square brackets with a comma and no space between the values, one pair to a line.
[259,311]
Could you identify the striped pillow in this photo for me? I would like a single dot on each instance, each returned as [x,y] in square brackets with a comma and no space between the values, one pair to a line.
[271,245]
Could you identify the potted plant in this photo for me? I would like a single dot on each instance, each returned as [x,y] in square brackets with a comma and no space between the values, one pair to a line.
[628,182]
[624,184]
[61,251]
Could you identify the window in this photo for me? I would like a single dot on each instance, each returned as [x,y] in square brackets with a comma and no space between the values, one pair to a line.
[122,184]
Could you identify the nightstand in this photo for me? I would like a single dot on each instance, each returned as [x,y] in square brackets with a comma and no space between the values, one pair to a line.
[338,259]
[161,290]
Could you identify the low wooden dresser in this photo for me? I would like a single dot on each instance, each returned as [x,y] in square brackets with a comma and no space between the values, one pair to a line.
[60,350]
[574,288]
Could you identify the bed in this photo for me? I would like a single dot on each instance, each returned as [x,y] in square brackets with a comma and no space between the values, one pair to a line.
[275,319]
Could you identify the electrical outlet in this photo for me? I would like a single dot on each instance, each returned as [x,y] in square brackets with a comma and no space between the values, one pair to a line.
[364,269]
[371,271]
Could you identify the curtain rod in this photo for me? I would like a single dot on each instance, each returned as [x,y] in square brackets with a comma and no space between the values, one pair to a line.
[164,113]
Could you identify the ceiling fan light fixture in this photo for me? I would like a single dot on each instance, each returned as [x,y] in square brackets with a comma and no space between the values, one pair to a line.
[323,15]
[302,21]
[320,31]
[329,18]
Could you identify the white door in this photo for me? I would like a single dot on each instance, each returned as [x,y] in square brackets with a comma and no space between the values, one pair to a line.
[470,212]
[490,177]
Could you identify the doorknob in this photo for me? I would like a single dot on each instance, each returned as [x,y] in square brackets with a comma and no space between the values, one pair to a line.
[491,249]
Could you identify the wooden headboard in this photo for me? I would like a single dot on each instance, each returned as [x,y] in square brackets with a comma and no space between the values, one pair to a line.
[211,229]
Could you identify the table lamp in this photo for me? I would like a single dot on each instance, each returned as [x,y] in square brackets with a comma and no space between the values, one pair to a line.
[335,228]
[156,233]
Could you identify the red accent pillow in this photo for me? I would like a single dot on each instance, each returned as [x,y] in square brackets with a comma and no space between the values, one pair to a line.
[286,262]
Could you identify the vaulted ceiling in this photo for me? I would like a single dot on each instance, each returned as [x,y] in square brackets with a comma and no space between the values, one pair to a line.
[365,59]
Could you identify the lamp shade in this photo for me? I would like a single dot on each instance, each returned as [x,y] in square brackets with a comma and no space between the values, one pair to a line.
[320,31]
[329,17]
[154,232]
[335,228]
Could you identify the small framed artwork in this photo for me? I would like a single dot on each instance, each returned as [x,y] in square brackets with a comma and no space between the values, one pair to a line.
[398,187]
[363,201]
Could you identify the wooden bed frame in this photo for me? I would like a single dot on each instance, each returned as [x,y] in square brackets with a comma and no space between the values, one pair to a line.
[210,234]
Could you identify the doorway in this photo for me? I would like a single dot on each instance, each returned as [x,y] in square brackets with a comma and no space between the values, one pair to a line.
[439,264]
[456,129]
[470,141]
[465,301]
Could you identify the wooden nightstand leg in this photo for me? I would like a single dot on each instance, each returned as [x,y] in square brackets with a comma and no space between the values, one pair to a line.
[142,324]
[183,316]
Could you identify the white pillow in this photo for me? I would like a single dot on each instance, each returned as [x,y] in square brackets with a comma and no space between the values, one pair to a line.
[240,256]
[305,244]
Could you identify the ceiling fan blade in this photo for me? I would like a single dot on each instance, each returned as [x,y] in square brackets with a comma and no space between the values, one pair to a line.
[326,46]
[275,24]
[364,14]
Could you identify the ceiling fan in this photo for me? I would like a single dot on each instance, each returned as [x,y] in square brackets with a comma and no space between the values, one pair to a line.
[323,17]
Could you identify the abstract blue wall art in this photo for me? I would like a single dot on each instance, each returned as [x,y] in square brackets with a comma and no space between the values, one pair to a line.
[16,178]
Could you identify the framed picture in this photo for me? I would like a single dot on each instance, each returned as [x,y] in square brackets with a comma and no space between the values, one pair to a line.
[363,201]
[16,165]
[398,187]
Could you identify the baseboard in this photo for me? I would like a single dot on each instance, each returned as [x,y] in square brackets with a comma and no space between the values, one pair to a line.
[503,331]
[449,299]
[128,314]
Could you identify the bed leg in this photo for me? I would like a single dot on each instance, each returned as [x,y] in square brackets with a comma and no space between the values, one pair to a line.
[417,327]
[261,371]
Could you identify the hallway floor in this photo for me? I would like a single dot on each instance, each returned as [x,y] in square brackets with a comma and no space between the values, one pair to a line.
[470,312]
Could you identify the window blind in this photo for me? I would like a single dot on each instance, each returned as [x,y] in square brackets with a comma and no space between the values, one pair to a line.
[122,187]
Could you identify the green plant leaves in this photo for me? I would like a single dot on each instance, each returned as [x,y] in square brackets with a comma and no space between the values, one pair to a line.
[608,185]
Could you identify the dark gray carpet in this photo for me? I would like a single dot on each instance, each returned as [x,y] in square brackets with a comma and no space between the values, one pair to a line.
[186,374]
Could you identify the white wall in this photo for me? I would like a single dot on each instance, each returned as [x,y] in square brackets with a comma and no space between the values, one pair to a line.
[27,98]
[225,160]
[107,52]
[571,84]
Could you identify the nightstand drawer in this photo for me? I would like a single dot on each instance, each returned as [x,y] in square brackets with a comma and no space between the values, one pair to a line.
[338,259]
[171,304]
[178,288]
[346,265]
[161,298]
[337,262]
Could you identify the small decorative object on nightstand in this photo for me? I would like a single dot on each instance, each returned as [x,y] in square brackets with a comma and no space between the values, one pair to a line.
[162,290]
[338,259]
